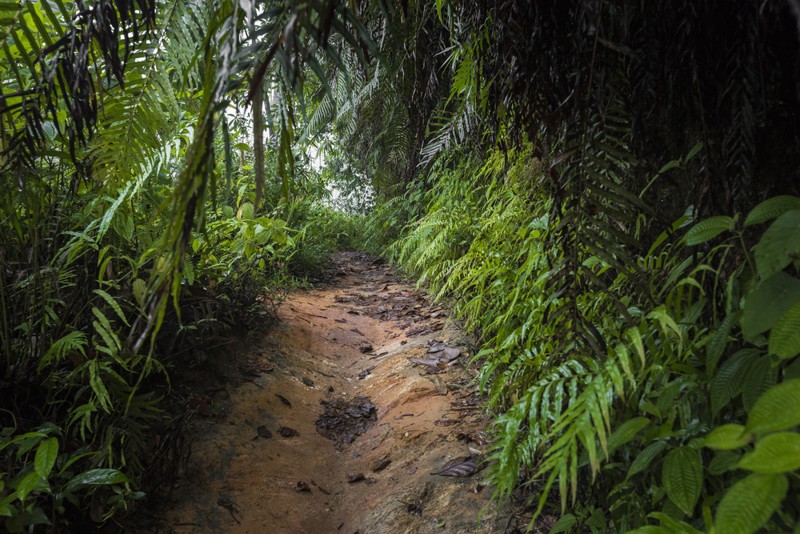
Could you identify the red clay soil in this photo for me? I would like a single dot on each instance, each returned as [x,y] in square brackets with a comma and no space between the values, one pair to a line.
[337,419]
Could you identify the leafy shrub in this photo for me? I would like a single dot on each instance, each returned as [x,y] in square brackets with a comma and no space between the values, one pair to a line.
[322,230]
[685,409]
[61,476]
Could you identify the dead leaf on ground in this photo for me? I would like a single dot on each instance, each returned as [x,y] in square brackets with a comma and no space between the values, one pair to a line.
[358,477]
[287,432]
[437,347]
[256,369]
[425,329]
[451,354]
[428,362]
[463,466]
[479,438]
[445,422]
[365,373]
[381,464]
[345,419]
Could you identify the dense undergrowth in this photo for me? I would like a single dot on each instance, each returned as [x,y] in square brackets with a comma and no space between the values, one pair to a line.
[687,418]
[85,429]
[146,210]
[603,189]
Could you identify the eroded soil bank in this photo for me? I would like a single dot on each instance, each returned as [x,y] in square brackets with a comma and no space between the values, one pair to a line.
[338,419]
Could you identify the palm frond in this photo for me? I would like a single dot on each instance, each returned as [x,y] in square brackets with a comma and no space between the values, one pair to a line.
[140,117]
[63,62]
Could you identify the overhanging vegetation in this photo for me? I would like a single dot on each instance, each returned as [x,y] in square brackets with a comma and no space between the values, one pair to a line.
[606,191]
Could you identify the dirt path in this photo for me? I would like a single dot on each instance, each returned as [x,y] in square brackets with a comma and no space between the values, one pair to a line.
[282,450]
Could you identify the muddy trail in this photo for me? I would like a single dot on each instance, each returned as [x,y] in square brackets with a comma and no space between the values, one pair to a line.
[353,414]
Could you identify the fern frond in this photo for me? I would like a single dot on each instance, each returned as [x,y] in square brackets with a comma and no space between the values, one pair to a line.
[142,119]
[58,66]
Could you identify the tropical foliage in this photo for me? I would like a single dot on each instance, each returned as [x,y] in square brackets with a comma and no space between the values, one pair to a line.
[664,416]
[137,224]
[563,204]
[606,191]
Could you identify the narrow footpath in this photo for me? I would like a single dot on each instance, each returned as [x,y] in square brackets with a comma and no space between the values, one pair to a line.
[355,413]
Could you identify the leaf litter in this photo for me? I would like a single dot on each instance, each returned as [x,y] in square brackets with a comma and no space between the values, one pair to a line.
[464,466]
[344,420]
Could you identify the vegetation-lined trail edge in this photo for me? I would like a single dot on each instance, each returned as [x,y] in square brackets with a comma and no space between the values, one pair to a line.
[606,192]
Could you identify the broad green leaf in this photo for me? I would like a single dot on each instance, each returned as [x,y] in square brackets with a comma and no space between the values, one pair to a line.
[46,455]
[708,229]
[682,477]
[766,304]
[727,437]
[749,503]
[719,340]
[651,529]
[772,208]
[674,525]
[723,461]
[645,457]
[779,245]
[32,437]
[564,524]
[784,340]
[95,477]
[24,520]
[597,521]
[626,432]
[792,370]
[27,442]
[139,291]
[246,212]
[729,379]
[31,482]
[775,453]
[758,378]
[777,409]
